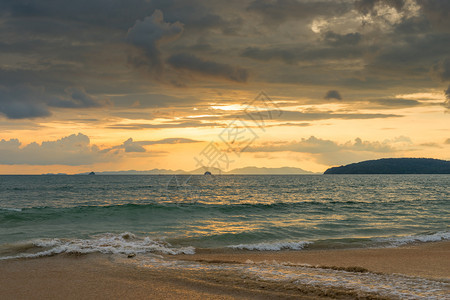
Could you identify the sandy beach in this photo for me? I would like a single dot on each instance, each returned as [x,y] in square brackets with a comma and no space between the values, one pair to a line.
[428,260]
[96,276]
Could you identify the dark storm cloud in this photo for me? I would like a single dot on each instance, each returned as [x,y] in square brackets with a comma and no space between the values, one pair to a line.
[54,45]
[401,56]
[24,101]
[367,6]
[437,12]
[447,96]
[442,69]
[77,98]
[333,94]
[412,26]
[335,39]
[111,13]
[150,33]
[278,11]
[198,15]
[118,14]
[333,47]
[294,55]
[410,58]
[208,68]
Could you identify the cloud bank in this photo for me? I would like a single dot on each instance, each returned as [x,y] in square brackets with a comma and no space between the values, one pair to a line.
[72,150]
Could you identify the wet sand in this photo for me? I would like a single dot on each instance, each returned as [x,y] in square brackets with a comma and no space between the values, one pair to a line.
[96,276]
[428,260]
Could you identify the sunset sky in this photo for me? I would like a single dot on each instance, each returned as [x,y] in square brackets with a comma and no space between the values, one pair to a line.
[109,85]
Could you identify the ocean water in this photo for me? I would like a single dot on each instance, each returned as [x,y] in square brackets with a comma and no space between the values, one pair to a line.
[45,215]
[152,215]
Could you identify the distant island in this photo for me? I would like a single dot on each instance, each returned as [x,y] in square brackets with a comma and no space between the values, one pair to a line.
[394,166]
[212,170]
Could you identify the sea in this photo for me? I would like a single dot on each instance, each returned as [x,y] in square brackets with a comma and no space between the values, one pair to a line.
[147,215]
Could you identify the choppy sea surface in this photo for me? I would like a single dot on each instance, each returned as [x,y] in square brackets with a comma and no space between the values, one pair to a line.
[148,216]
[42,215]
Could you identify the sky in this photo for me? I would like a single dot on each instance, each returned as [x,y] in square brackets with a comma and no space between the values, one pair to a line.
[107,85]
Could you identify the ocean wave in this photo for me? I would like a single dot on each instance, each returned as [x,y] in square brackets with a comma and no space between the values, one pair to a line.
[223,206]
[124,243]
[423,238]
[276,246]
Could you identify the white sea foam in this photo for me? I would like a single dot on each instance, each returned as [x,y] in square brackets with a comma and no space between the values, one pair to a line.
[10,209]
[424,238]
[125,243]
[277,246]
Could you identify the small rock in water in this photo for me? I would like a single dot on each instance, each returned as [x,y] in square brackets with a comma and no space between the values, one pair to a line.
[131,255]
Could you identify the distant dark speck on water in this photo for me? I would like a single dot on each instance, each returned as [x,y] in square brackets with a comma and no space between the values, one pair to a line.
[92,173]
[207,173]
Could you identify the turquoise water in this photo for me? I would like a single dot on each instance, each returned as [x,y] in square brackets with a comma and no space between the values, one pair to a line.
[42,215]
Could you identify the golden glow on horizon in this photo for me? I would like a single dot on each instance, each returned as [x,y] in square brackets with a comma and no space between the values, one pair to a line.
[423,96]
[232,107]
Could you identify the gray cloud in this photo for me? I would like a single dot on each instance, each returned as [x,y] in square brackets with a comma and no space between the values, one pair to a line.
[151,100]
[395,103]
[73,150]
[279,11]
[77,98]
[118,16]
[320,115]
[208,68]
[442,69]
[149,34]
[64,44]
[185,124]
[447,96]
[432,145]
[437,11]
[333,94]
[23,102]
[335,39]
[306,53]
[367,6]
[138,146]
[330,152]
[315,145]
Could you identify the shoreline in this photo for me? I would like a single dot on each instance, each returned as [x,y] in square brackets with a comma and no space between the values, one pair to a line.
[99,276]
[427,260]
